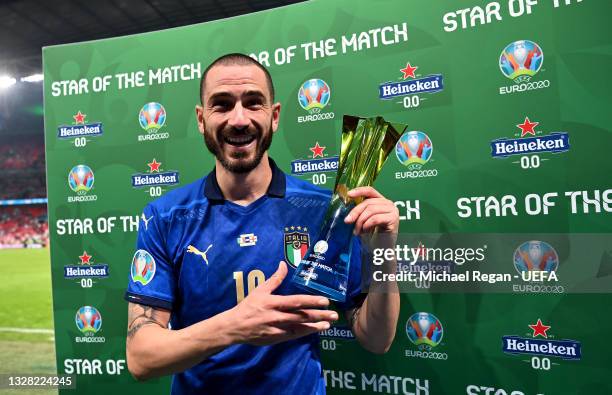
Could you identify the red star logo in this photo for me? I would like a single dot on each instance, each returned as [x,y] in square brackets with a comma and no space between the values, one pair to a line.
[528,127]
[79,118]
[154,166]
[540,329]
[317,150]
[85,258]
[409,70]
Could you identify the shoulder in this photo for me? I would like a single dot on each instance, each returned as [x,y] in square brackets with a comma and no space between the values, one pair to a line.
[184,197]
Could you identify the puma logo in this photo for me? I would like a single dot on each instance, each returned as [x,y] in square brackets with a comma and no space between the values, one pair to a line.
[194,250]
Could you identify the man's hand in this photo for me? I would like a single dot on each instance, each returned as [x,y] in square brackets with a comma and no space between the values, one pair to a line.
[374,212]
[263,318]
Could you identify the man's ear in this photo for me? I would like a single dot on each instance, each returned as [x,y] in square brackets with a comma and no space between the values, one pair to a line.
[200,118]
[276,108]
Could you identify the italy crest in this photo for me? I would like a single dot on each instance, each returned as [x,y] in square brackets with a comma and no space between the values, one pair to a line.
[296,244]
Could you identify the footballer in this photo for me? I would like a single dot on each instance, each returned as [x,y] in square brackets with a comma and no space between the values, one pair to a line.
[210,296]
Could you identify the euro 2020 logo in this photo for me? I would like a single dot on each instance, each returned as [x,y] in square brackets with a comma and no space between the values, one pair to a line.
[143,267]
[152,117]
[314,95]
[414,149]
[88,320]
[81,179]
[424,330]
[535,256]
[521,60]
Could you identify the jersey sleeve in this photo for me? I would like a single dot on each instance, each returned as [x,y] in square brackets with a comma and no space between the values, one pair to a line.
[151,279]
[354,294]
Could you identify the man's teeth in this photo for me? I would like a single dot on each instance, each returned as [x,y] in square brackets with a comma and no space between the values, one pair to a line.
[239,139]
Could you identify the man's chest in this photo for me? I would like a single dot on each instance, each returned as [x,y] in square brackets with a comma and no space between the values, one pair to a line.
[225,256]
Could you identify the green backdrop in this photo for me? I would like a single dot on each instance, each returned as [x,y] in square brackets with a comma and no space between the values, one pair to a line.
[359,46]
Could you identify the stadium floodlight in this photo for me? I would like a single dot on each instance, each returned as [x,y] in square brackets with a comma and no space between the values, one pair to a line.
[32,78]
[6,81]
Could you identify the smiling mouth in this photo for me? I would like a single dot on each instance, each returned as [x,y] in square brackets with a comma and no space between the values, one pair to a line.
[239,141]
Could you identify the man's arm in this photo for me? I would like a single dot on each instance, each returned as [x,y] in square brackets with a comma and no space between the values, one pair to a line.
[153,350]
[375,322]
[261,318]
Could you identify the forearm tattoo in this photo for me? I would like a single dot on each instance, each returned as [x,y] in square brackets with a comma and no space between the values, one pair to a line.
[139,316]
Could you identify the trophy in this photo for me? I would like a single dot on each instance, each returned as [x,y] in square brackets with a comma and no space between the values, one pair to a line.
[366,143]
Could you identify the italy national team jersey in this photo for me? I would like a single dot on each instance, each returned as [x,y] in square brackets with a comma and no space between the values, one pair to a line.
[199,255]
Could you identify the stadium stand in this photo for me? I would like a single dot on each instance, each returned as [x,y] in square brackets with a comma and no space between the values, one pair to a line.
[22,184]
[23,226]
[22,177]
[22,156]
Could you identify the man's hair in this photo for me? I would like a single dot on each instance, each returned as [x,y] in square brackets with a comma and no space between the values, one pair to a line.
[236,59]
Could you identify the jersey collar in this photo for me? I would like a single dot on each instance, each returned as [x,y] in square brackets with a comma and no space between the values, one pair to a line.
[212,191]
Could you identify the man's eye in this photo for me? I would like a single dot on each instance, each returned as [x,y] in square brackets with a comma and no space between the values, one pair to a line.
[221,106]
[254,103]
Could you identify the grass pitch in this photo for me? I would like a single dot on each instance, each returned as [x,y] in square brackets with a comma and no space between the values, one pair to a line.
[25,303]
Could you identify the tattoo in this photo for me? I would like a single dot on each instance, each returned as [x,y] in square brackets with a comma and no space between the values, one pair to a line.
[132,331]
[141,315]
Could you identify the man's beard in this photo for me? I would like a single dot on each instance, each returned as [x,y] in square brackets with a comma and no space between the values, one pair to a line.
[240,165]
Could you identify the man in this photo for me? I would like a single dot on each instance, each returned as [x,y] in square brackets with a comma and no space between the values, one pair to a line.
[208,253]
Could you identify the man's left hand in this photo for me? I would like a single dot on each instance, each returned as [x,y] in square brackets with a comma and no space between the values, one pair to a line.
[375,212]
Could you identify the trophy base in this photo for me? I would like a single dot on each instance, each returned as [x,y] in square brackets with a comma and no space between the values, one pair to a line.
[319,289]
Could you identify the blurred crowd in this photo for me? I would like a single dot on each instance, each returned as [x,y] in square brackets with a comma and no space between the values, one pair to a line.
[23,226]
[22,184]
[22,154]
[22,176]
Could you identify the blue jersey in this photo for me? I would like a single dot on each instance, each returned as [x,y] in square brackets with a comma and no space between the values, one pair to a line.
[199,255]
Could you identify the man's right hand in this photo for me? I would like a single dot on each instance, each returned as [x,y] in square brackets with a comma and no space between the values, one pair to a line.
[263,318]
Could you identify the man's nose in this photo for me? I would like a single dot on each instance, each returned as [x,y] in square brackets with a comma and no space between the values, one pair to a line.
[238,117]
